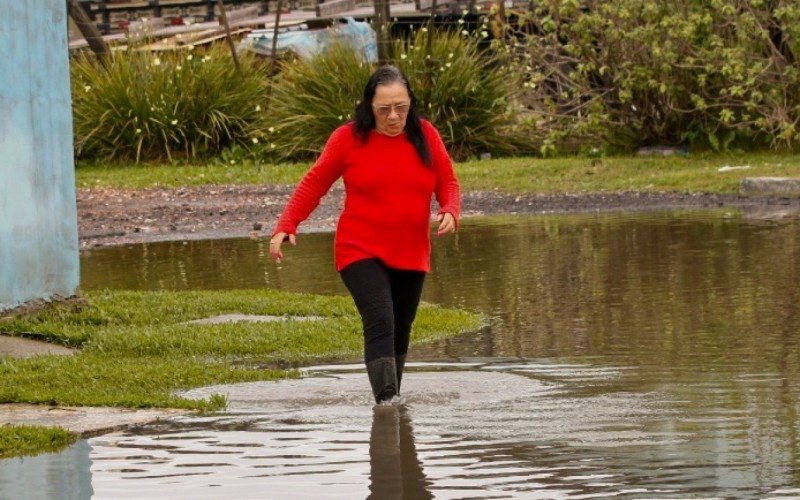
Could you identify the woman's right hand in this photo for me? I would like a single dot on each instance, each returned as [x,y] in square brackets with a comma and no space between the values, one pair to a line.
[275,245]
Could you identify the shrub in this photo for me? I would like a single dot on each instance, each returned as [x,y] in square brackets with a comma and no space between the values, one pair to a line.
[309,99]
[637,72]
[174,104]
[466,94]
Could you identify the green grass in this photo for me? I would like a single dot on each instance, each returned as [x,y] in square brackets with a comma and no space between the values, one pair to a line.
[136,351]
[20,440]
[130,176]
[694,173]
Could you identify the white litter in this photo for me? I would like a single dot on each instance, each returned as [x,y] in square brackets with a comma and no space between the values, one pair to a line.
[728,168]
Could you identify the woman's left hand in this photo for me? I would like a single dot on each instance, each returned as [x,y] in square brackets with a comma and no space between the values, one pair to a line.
[447,224]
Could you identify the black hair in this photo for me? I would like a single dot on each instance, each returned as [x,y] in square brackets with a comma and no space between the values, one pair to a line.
[365,119]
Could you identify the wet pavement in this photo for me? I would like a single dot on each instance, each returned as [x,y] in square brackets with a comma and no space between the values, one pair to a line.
[18,347]
[81,420]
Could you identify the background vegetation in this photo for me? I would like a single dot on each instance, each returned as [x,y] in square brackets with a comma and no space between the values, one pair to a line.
[559,75]
[694,173]
[711,74]
[166,106]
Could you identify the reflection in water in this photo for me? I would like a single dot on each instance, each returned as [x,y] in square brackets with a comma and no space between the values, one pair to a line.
[49,476]
[395,470]
[493,430]
[671,342]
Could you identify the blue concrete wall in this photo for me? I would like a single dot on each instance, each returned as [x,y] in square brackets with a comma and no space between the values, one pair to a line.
[38,220]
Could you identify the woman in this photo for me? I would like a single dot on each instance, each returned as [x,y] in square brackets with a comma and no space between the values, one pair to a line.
[391,162]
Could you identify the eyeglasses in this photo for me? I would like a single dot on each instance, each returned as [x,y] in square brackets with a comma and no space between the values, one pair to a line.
[386,109]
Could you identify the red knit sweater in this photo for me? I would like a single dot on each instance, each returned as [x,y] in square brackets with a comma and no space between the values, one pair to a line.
[388,193]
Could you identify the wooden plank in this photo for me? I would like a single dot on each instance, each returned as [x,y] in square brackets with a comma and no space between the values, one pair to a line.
[220,36]
[175,43]
[332,7]
[191,37]
[127,5]
[145,27]
[427,4]
[182,3]
[240,14]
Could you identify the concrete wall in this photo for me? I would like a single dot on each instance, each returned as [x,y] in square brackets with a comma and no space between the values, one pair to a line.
[38,220]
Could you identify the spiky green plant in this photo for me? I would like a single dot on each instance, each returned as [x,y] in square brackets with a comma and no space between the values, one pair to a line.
[311,98]
[465,93]
[145,106]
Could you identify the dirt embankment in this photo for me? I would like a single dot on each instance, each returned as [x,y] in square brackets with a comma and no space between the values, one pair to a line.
[120,216]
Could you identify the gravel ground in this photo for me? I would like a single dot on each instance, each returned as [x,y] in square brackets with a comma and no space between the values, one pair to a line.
[120,216]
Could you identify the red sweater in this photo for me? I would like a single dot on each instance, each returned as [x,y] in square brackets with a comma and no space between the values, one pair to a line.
[388,193]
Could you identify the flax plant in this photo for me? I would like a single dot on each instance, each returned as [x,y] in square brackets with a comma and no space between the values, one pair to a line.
[465,93]
[311,98]
[145,106]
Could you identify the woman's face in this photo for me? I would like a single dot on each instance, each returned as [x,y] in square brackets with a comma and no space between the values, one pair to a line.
[390,108]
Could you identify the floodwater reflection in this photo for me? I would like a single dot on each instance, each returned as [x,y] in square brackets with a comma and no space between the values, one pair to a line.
[651,355]
[395,469]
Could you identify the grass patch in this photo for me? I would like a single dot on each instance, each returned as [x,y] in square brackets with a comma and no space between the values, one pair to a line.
[529,175]
[136,350]
[21,440]
[131,176]
[693,173]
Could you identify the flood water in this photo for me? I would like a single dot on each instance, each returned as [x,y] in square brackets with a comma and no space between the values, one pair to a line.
[636,355]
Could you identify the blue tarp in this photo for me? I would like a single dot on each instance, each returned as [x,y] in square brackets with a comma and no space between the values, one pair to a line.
[307,44]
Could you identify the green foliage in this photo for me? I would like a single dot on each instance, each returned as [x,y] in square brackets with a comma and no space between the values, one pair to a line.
[311,98]
[466,94]
[718,74]
[230,170]
[137,350]
[695,173]
[170,105]
[20,440]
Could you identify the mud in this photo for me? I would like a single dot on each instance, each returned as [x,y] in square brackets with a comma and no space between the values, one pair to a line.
[121,216]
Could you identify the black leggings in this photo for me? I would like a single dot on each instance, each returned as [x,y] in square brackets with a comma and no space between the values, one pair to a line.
[387,300]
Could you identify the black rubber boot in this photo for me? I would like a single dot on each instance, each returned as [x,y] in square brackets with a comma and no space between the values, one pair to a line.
[400,363]
[382,374]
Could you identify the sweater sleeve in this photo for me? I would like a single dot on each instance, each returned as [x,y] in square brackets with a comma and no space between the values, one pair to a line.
[448,192]
[316,183]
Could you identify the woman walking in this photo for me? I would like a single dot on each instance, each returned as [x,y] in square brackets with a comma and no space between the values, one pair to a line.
[391,162]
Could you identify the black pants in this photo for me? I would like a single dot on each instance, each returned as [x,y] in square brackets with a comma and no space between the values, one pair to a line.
[387,300]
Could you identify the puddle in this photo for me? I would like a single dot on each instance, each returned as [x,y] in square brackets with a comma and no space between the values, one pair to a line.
[461,431]
[633,355]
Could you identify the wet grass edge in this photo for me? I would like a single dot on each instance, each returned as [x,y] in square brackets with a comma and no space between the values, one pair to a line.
[31,440]
[137,351]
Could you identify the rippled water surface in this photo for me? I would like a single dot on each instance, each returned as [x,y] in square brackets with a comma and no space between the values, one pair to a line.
[646,356]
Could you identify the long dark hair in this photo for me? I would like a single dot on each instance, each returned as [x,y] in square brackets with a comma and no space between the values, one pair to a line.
[365,119]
